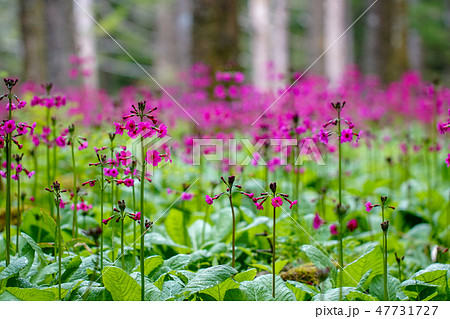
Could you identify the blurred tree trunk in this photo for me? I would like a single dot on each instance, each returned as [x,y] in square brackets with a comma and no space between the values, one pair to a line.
[335,24]
[260,35]
[85,42]
[280,43]
[60,40]
[173,26]
[34,41]
[316,35]
[398,63]
[215,32]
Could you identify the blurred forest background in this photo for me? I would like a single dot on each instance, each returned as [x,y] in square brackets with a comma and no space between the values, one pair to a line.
[269,40]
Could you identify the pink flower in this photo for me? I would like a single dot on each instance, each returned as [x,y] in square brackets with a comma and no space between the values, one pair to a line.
[119,128]
[83,146]
[22,129]
[60,141]
[346,135]
[130,125]
[359,136]
[333,229]
[162,131]
[2,143]
[113,172]
[62,204]
[21,104]
[447,160]
[153,157]
[259,206]
[292,204]
[317,221]
[323,136]
[369,206]
[136,216]
[186,196]
[19,168]
[277,201]
[30,174]
[209,200]
[128,182]
[352,224]
[10,126]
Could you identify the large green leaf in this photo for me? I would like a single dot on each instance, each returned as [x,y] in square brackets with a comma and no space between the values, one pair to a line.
[302,292]
[36,248]
[435,274]
[218,291]
[175,227]
[71,267]
[333,294]
[208,277]
[247,275]
[376,287]
[30,294]
[360,296]
[13,268]
[121,285]
[319,259]
[260,289]
[371,261]
[28,252]
[418,290]
[150,264]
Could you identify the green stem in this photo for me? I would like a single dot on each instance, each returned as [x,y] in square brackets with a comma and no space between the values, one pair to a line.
[142,266]
[49,177]
[399,271]
[234,232]
[102,190]
[134,228]
[75,194]
[385,266]
[8,186]
[112,208]
[273,252]
[122,249]
[341,249]
[58,227]
[18,214]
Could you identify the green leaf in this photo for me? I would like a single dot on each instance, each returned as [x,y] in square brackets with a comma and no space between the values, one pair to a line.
[36,248]
[302,292]
[28,252]
[355,271]
[208,277]
[260,289]
[222,224]
[218,291]
[13,268]
[417,290]
[247,275]
[175,228]
[376,287]
[150,264]
[360,296]
[319,259]
[121,285]
[31,294]
[435,274]
[333,294]
[71,267]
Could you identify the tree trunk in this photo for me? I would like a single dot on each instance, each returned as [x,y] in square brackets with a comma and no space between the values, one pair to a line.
[215,32]
[85,42]
[33,38]
[398,63]
[260,35]
[60,40]
[337,56]
[316,35]
[280,43]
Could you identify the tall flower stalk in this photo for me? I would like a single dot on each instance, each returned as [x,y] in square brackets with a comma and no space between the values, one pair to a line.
[277,201]
[145,129]
[344,135]
[384,227]
[230,183]
[56,190]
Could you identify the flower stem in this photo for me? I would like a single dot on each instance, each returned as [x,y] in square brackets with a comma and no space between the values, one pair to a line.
[18,214]
[112,207]
[122,250]
[384,257]
[341,249]
[134,228]
[75,195]
[8,186]
[273,252]
[58,234]
[233,258]
[142,266]
[49,175]
[102,191]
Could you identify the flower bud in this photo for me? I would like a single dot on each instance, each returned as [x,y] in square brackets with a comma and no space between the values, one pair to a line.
[385,226]
[273,187]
